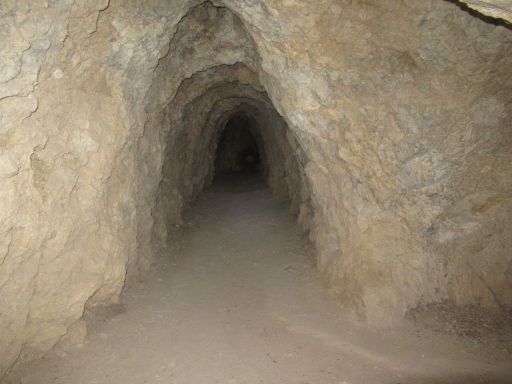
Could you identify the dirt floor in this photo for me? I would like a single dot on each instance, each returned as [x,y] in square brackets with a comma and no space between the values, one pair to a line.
[239,301]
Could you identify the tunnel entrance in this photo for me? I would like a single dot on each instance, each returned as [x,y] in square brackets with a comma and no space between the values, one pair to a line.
[238,150]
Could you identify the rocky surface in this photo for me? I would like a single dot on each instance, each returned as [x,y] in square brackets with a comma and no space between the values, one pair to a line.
[386,123]
[501,9]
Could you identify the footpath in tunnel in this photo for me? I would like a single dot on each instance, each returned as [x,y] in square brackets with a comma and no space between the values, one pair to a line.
[240,301]
[377,249]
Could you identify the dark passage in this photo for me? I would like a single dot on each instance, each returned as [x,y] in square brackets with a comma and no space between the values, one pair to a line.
[238,149]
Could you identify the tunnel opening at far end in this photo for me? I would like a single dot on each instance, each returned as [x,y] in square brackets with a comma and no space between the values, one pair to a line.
[238,149]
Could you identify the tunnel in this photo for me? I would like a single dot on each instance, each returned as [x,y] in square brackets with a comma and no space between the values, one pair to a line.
[255,191]
[237,148]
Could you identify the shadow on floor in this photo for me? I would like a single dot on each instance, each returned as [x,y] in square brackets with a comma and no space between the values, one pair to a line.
[239,182]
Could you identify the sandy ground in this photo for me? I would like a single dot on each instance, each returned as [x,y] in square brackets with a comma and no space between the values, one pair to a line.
[239,301]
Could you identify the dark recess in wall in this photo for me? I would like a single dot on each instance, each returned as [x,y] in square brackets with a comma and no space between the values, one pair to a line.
[237,150]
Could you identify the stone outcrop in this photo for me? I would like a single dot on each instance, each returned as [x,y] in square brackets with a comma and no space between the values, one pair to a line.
[387,125]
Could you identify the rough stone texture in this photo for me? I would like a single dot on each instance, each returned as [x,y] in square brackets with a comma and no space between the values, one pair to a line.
[501,9]
[394,145]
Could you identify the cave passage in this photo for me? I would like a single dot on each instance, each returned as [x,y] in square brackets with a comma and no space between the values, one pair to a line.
[184,183]
[238,150]
[240,302]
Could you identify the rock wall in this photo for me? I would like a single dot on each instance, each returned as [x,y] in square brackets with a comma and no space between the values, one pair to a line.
[70,110]
[392,138]
[501,9]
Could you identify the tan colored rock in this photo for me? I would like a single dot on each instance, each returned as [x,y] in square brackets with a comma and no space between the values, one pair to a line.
[387,125]
[501,9]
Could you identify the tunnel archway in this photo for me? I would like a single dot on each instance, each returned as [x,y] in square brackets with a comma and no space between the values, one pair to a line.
[238,149]
[201,109]
[375,125]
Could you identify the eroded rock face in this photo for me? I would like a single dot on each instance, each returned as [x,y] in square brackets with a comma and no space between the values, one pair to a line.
[501,9]
[387,125]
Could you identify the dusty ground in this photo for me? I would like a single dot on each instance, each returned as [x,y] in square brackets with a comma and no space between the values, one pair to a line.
[240,302]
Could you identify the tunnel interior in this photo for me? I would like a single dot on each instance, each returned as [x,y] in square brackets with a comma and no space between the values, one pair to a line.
[384,125]
[238,149]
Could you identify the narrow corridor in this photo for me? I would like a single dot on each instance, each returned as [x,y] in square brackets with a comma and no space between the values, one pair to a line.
[240,301]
